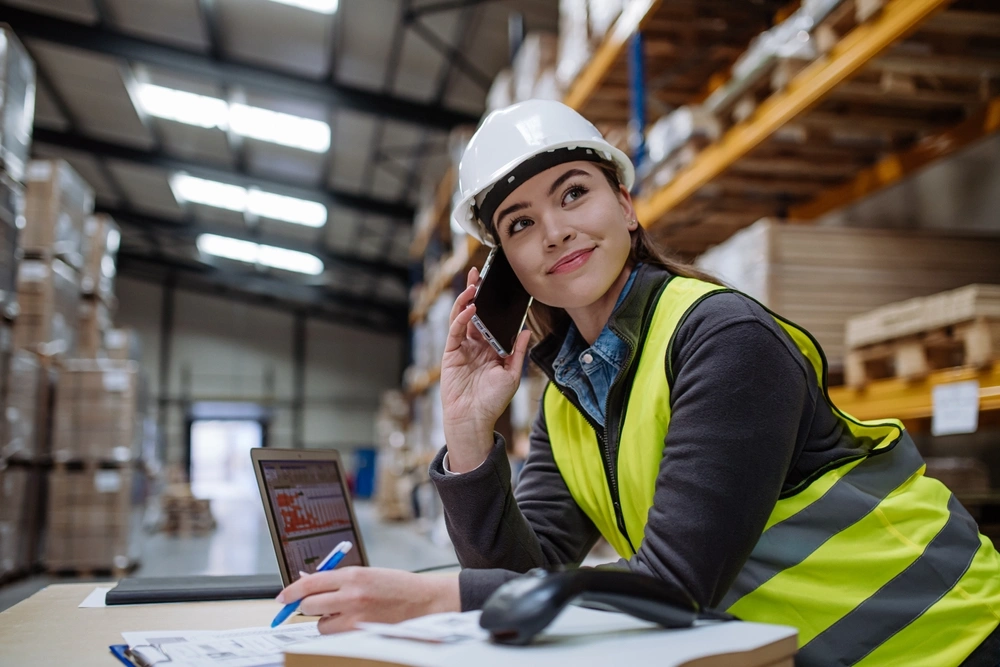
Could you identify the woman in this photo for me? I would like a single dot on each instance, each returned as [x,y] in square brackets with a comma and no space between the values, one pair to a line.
[684,423]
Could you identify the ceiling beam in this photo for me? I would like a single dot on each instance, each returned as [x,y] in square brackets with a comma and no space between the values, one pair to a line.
[262,291]
[188,229]
[201,168]
[111,43]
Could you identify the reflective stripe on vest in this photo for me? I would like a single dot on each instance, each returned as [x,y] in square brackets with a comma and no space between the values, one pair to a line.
[873,562]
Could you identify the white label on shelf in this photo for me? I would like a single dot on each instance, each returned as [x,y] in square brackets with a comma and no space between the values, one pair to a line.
[116,380]
[956,408]
[107,481]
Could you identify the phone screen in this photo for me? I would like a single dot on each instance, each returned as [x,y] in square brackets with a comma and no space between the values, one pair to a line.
[501,303]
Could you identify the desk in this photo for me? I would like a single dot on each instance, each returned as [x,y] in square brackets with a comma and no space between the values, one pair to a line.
[49,629]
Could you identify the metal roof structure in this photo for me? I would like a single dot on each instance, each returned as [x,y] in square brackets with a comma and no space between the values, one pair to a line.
[389,77]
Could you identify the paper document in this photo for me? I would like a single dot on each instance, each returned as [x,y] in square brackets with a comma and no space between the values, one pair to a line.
[246,647]
[96,598]
[445,628]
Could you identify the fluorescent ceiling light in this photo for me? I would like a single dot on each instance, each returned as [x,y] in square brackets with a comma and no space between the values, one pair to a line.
[183,107]
[321,6]
[254,122]
[255,253]
[242,200]
[279,128]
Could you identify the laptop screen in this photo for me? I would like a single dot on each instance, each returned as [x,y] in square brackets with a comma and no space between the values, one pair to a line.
[310,513]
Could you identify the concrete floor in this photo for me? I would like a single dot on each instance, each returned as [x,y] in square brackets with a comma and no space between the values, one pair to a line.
[241,544]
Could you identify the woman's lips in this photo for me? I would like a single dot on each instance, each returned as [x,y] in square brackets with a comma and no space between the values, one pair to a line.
[572,262]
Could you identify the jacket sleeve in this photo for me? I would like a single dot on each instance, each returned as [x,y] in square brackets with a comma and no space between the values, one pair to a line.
[738,398]
[498,533]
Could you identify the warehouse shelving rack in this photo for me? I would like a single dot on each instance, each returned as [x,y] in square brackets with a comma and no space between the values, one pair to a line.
[874,79]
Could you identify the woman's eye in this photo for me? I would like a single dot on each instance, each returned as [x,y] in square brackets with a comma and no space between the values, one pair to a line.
[574,193]
[518,225]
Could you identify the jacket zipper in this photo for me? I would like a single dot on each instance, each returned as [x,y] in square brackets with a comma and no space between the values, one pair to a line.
[603,443]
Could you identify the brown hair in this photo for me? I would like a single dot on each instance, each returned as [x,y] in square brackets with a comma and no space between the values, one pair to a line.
[544,320]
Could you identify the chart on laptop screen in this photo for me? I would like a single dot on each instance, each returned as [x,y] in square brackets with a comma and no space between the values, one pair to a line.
[308,504]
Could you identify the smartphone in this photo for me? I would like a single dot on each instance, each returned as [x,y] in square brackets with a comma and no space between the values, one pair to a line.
[501,303]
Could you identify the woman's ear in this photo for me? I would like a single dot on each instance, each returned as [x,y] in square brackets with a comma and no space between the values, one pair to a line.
[625,201]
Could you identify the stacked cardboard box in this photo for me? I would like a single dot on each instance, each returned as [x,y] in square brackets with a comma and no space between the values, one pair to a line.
[97,411]
[17,104]
[49,305]
[20,511]
[122,344]
[101,238]
[819,277]
[11,220]
[93,518]
[23,394]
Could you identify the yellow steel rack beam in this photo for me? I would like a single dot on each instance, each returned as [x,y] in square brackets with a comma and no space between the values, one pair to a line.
[893,168]
[856,49]
[902,399]
[633,19]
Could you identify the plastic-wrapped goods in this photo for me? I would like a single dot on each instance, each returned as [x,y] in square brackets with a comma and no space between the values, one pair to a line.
[575,49]
[123,344]
[458,139]
[673,131]
[95,321]
[49,305]
[537,53]
[17,104]
[23,397]
[603,14]
[97,411]
[547,87]
[94,518]
[818,10]
[11,221]
[58,203]
[501,92]
[20,500]
[101,238]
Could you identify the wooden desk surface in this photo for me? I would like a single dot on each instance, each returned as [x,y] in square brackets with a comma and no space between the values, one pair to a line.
[49,629]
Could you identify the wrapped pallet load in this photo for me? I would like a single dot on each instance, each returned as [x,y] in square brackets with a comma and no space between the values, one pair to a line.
[17,104]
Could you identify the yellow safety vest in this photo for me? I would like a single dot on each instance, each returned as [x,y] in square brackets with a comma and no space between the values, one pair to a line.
[873,562]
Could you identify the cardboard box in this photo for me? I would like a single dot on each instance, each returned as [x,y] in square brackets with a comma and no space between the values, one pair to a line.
[97,411]
[101,238]
[122,344]
[56,210]
[17,103]
[820,277]
[21,498]
[49,307]
[94,323]
[93,518]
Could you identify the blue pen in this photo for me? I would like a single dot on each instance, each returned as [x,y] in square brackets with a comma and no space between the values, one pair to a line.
[331,561]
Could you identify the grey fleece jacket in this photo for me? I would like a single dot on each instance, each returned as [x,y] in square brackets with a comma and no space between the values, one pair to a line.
[748,422]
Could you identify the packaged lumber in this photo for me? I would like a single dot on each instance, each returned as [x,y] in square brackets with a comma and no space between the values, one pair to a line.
[48,307]
[819,277]
[56,210]
[911,338]
[11,220]
[101,239]
[674,141]
[94,515]
[17,103]
[20,516]
[97,411]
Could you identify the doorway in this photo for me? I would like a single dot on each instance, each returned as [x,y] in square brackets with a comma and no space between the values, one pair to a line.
[220,458]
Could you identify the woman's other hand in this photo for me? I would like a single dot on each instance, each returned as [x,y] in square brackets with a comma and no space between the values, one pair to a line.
[349,595]
[476,384]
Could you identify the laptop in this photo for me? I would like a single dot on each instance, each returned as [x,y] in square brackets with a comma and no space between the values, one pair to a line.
[308,508]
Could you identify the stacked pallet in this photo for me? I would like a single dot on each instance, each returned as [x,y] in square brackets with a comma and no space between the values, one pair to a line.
[820,277]
[21,443]
[914,337]
[182,513]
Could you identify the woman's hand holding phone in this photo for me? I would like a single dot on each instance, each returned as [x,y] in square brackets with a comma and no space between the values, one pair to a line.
[476,384]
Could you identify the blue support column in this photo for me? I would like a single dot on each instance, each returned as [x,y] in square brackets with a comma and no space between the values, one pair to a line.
[637,82]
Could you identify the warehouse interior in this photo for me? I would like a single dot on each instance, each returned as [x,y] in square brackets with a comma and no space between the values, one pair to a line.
[227,225]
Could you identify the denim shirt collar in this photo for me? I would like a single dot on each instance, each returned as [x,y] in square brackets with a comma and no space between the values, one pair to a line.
[608,346]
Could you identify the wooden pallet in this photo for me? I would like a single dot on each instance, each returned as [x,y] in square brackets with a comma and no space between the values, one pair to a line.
[91,571]
[911,338]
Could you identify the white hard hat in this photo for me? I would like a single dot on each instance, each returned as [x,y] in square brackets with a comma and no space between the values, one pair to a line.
[517,142]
